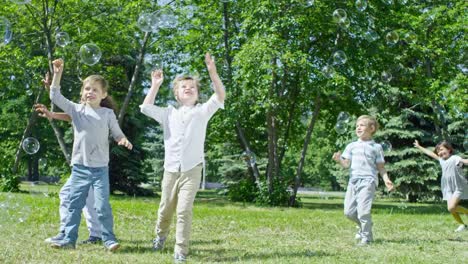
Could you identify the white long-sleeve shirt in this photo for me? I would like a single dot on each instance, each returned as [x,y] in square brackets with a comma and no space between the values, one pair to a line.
[184,132]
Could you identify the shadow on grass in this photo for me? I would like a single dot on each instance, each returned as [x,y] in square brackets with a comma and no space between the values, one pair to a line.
[419,241]
[219,255]
[405,208]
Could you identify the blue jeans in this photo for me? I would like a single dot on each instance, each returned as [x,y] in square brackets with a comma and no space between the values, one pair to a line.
[82,178]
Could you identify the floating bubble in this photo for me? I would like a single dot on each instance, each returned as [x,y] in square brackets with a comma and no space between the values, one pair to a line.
[386,76]
[403,2]
[388,2]
[361,5]
[371,35]
[462,67]
[42,162]
[440,113]
[249,157]
[167,19]
[345,23]
[147,22]
[21,2]
[328,71]
[310,2]
[5,31]
[411,37]
[62,39]
[29,92]
[392,38]
[341,127]
[343,117]
[339,15]
[339,57]
[386,146]
[30,145]
[90,54]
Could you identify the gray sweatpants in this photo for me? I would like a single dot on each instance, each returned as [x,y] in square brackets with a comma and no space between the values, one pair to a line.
[357,205]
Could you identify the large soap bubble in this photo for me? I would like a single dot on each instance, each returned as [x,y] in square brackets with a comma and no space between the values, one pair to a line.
[361,5]
[5,31]
[62,39]
[339,57]
[339,15]
[392,37]
[90,54]
[147,22]
[30,145]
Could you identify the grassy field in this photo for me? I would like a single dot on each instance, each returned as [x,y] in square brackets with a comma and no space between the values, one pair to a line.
[226,232]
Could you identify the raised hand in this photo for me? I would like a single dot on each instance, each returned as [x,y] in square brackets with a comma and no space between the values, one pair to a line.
[124,142]
[157,77]
[58,65]
[210,63]
[43,111]
[416,144]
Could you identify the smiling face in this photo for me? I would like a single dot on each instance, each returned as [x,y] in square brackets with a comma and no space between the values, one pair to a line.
[364,130]
[444,150]
[186,91]
[93,91]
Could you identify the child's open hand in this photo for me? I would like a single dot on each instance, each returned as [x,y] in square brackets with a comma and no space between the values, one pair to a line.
[416,143]
[157,77]
[210,63]
[337,156]
[46,81]
[124,142]
[389,185]
[43,111]
[58,65]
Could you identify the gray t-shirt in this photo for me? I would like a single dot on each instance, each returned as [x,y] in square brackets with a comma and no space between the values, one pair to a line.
[453,179]
[91,127]
[364,156]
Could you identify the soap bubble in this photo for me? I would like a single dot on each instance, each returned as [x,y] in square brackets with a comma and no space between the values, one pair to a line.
[343,117]
[167,19]
[249,157]
[392,38]
[345,23]
[411,37]
[310,2]
[42,162]
[339,15]
[62,39]
[386,76]
[90,54]
[147,22]
[361,5]
[30,145]
[371,35]
[328,71]
[341,127]
[339,57]
[386,146]
[5,31]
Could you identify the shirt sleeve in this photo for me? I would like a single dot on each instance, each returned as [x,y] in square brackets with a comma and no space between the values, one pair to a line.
[347,152]
[114,127]
[157,113]
[58,99]
[211,106]
[380,154]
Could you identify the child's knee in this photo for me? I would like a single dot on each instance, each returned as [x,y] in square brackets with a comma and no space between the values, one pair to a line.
[452,208]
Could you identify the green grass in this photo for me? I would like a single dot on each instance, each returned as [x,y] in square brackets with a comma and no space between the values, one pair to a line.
[225,232]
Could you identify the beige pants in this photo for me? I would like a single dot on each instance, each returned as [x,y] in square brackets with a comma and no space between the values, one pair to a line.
[178,193]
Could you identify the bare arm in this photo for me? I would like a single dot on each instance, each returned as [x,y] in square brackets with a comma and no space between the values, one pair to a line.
[345,163]
[384,174]
[425,150]
[157,77]
[44,112]
[217,83]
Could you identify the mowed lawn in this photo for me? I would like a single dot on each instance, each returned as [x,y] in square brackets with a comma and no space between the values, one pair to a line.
[225,232]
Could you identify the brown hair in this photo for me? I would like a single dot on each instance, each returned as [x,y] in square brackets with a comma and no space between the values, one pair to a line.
[371,121]
[444,144]
[107,102]
[177,80]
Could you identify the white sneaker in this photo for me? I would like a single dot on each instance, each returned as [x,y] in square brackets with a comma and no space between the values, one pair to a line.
[461,228]
[358,236]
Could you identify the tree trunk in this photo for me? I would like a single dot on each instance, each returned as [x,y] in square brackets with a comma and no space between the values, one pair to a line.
[297,178]
[133,82]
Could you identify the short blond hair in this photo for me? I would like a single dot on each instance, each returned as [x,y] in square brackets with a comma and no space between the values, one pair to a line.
[370,121]
[177,80]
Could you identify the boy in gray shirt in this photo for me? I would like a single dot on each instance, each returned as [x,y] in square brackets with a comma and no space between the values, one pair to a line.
[365,159]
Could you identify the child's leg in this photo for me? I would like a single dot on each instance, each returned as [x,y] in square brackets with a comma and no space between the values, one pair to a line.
[455,209]
[350,204]
[64,196]
[92,222]
[168,203]
[365,196]
[103,208]
[188,187]
[80,183]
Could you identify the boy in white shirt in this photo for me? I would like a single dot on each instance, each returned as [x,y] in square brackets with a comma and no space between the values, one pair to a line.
[184,137]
